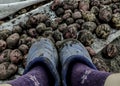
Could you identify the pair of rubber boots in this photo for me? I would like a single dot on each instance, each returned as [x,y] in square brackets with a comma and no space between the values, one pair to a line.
[44,52]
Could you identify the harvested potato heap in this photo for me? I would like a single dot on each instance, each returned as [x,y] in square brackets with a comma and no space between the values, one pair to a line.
[79,20]
[86,20]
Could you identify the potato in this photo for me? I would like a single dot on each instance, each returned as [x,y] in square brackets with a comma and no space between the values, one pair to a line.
[12,40]
[2,45]
[16,56]
[7,70]
[5,56]
[23,48]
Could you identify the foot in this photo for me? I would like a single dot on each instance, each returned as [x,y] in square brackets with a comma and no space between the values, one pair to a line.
[73,51]
[43,52]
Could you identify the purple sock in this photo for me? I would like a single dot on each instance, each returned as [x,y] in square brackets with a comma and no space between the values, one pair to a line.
[35,77]
[82,75]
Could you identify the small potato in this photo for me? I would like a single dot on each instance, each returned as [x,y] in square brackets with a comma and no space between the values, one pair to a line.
[95,2]
[48,22]
[91,51]
[32,32]
[69,21]
[100,64]
[105,13]
[75,5]
[88,16]
[91,26]
[77,15]
[57,36]
[54,25]
[62,27]
[60,11]
[95,10]
[80,21]
[6,70]
[103,31]
[86,37]
[47,33]
[30,41]
[17,29]
[116,21]
[84,5]
[70,32]
[66,16]
[23,48]
[110,51]
[32,21]
[68,5]
[36,19]
[2,45]
[68,11]
[55,4]
[40,28]
[4,56]
[16,56]
[12,40]
[5,33]
[41,17]
[59,20]
[22,41]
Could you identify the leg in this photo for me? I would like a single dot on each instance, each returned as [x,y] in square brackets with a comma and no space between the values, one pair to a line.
[77,66]
[41,64]
[37,76]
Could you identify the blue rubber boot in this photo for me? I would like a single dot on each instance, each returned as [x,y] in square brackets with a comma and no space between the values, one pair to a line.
[44,52]
[70,51]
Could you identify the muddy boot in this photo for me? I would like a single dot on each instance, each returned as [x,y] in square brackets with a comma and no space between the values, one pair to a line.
[44,53]
[72,51]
